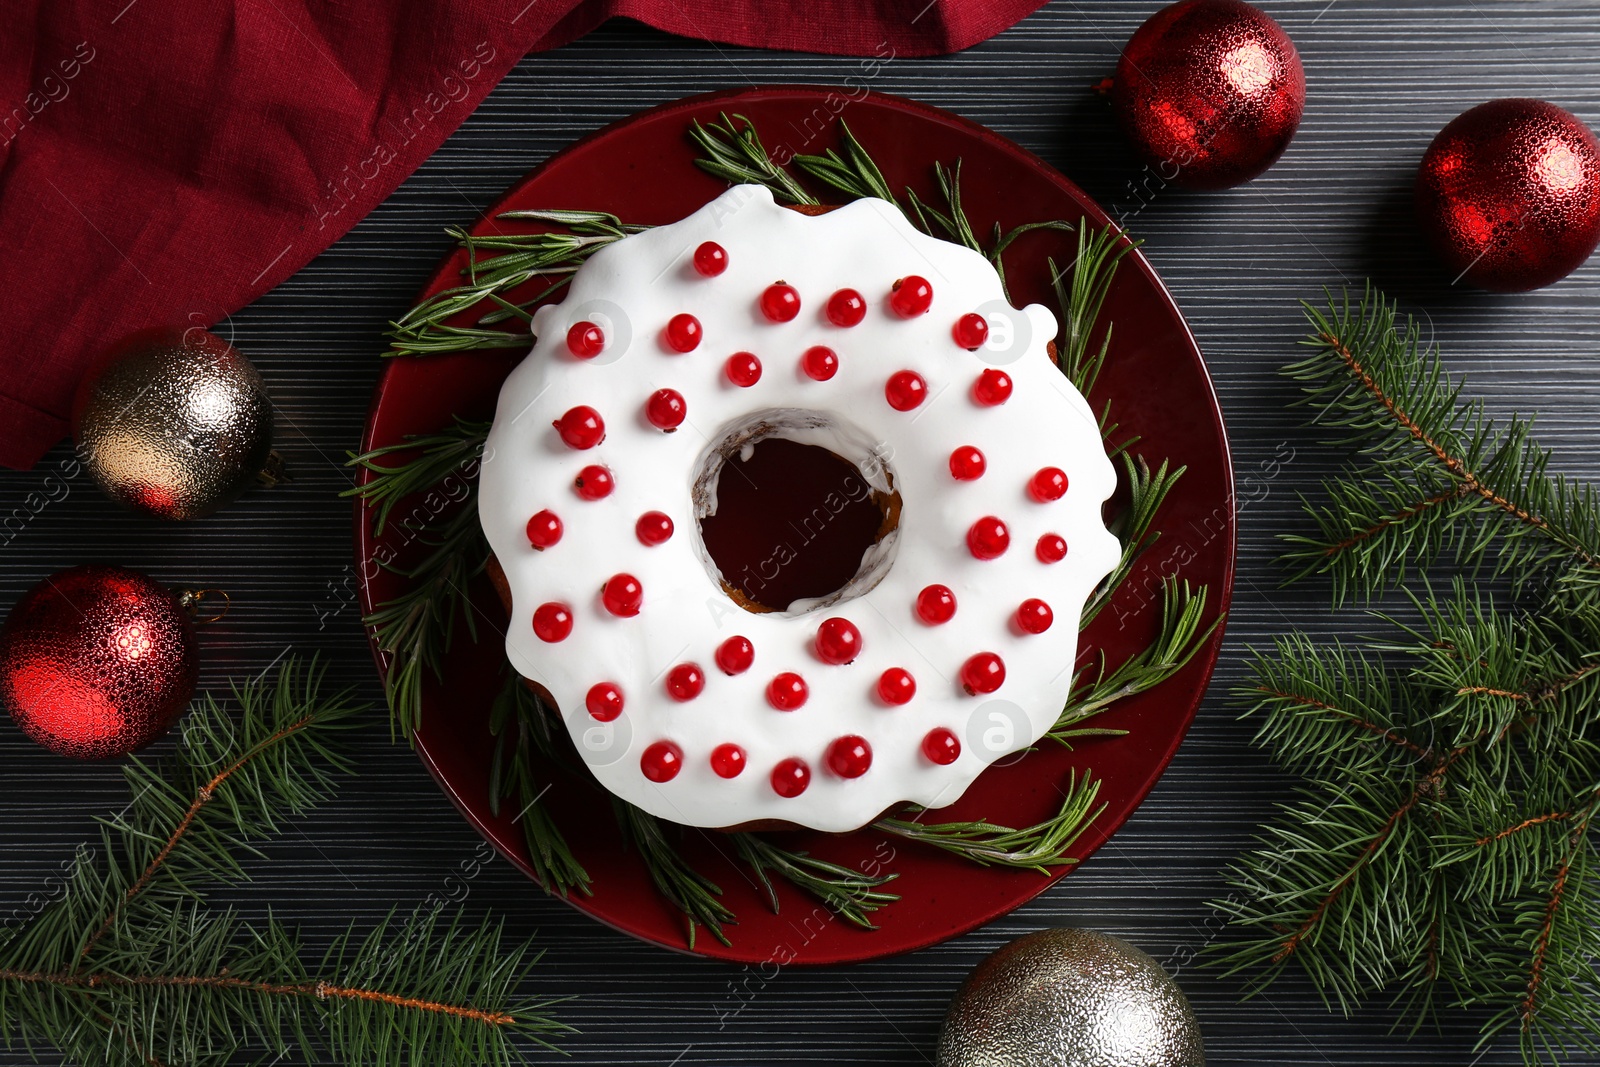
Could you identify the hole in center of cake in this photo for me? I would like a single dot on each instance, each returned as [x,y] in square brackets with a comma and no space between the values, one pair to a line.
[789,521]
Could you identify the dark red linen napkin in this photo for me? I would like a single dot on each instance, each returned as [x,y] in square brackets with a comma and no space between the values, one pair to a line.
[167,162]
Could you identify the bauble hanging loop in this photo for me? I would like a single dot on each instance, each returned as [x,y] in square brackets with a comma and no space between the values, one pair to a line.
[97,661]
[1070,998]
[1209,93]
[1509,194]
[175,423]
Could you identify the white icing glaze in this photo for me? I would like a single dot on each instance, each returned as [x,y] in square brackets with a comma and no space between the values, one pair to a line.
[632,288]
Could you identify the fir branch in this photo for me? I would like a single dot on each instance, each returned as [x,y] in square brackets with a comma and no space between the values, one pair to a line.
[1035,848]
[732,151]
[685,888]
[521,726]
[850,894]
[1180,636]
[132,966]
[1330,709]
[1441,847]
[271,776]
[1432,459]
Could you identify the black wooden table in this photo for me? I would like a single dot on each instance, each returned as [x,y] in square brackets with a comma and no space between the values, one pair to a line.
[1383,78]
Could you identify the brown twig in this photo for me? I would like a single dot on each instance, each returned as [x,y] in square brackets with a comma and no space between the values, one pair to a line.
[202,798]
[1394,520]
[1451,462]
[1549,691]
[1389,734]
[1558,891]
[1537,820]
[320,990]
[1426,784]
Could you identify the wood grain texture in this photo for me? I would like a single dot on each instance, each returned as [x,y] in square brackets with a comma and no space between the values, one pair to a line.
[1382,77]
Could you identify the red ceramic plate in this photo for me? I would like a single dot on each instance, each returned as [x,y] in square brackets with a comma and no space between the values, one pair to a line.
[642,169]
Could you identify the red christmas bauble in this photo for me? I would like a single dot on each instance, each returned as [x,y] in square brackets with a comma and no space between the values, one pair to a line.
[97,661]
[1210,92]
[1509,194]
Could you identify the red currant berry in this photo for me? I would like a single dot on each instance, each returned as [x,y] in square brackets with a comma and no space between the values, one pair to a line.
[685,681]
[849,756]
[661,762]
[604,701]
[1052,548]
[967,464]
[820,363]
[790,777]
[552,622]
[988,538]
[912,295]
[544,529]
[653,527]
[787,691]
[905,390]
[622,595]
[710,259]
[585,340]
[743,369]
[665,409]
[941,746]
[1034,616]
[581,427]
[683,333]
[1050,483]
[936,604]
[594,482]
[735,655]
[727,761]
[983,673]
[992,387]
[846,308]
[780,302]
[896,686]
[838,641]
[971,331]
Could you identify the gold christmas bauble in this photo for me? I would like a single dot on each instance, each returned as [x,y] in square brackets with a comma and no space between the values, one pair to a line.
[174,423]
[1070,998]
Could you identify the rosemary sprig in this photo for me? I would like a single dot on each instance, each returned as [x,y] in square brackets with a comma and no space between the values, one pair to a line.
[854,174]
[520,259]
[415,629]
[1081,289]
[521,726]
[1147,491]
[698,897]
[1182,634]
[438,456]
[731,150]
[1034,848]
[951,223]
[850,894]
